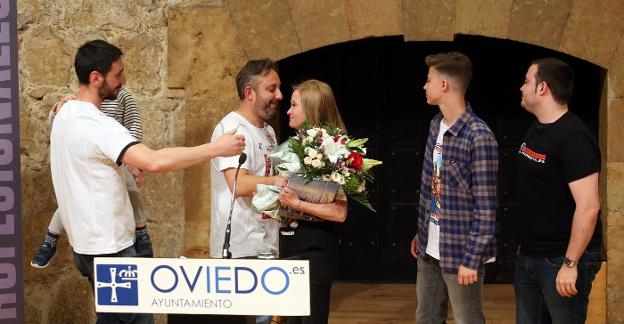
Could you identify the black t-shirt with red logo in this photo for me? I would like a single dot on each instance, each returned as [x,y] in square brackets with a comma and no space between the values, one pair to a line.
[552,156]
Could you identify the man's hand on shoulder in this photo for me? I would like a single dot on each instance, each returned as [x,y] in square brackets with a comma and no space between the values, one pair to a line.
[57,106]
[229,144]
[466,276]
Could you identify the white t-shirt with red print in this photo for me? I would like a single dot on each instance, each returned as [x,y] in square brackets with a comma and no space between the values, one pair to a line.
[433,242]
[251,231]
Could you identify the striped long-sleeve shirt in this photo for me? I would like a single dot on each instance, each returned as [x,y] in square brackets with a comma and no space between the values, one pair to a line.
[123,109]
[468,197]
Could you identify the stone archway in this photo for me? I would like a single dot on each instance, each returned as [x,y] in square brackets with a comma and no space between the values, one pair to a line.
[207,45]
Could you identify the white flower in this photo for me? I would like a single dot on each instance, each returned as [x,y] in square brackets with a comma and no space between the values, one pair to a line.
[338,178]
[361,188]
[333,150]
[311,152]
[312,132]
[316,163]
[324,134]
[307,160]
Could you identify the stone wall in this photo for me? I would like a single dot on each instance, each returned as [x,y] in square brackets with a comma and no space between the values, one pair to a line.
[49,34]
[181,59]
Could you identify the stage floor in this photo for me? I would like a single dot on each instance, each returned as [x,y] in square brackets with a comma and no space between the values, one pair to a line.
[356,303]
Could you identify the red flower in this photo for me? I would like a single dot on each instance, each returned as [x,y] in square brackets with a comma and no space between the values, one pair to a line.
[336,138]
[355,159]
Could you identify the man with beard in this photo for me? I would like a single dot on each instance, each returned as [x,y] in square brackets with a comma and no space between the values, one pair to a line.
[86,151]
[558,168]
[258,87]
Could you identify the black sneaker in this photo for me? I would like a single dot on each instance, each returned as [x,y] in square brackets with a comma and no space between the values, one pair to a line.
[143,246]
[44,255]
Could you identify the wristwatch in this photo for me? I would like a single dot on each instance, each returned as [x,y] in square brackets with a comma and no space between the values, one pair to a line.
[569,262]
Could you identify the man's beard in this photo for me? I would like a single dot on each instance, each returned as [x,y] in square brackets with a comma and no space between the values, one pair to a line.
[265,111]
[106,93]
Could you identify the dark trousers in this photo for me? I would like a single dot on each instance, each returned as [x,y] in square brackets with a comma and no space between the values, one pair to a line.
[84,263]
[323,268]
[537,300]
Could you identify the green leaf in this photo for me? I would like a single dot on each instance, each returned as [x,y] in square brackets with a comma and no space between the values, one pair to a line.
[356,142]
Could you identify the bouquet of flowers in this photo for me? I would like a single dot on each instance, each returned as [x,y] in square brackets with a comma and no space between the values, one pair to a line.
[318,160]
[329,154]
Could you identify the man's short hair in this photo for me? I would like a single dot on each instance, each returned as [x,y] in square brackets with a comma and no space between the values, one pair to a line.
[452,64]
[96,55]
[558,75]
[248,75]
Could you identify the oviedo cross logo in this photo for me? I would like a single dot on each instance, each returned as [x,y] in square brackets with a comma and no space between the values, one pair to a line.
[117,284]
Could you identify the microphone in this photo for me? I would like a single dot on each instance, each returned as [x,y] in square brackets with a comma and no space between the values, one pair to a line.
[226,254]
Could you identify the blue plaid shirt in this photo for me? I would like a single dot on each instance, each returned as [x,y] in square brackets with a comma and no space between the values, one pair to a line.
[468,198]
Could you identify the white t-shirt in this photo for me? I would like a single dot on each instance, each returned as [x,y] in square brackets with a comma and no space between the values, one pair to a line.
[90,186]
[251,231]
[433,241]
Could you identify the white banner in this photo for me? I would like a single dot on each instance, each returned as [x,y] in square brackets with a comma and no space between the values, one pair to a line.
[202,286]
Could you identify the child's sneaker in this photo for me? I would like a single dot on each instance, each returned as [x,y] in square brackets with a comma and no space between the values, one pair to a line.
[45,252]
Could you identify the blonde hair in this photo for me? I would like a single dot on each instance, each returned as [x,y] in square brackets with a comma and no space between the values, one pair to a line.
[319,104]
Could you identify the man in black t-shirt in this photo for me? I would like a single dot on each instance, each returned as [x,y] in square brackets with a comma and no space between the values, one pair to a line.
[560,231]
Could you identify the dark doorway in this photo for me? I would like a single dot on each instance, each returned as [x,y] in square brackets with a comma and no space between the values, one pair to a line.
[378,85]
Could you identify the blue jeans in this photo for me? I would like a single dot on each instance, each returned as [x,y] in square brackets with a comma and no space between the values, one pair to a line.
[434,288]
[537,300]
[84,263]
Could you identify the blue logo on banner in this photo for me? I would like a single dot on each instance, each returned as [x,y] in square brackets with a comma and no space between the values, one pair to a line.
[117,284]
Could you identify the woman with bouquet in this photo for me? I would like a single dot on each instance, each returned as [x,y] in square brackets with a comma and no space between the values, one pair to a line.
[313,102]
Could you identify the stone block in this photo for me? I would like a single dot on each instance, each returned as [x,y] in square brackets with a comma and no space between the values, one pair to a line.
[320,23]
[197,3]
[127,16]
[165,199]
[593,30]
[615,277]
[27,13]
[76,301]
[539,22]
[48,58]
[163,121]
[143,61]
[204,53]
[615,136]
[370,18]
[484,17]
[615,193]
[615,74]
[429,20]
[275,37]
